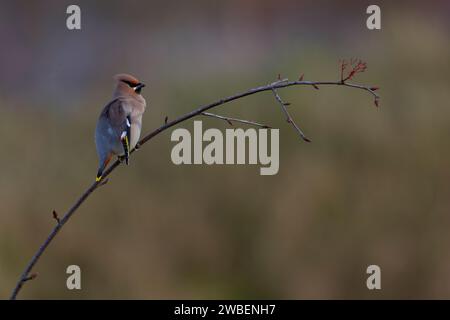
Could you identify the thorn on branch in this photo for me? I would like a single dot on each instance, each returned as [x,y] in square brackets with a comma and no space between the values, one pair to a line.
[30,277]
[279,76]
[166,119]
[376,101]
[231,120]
[343,67]
[301,77]
[56,217]
[315,86]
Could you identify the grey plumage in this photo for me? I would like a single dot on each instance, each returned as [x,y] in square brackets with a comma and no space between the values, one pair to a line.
[119,125]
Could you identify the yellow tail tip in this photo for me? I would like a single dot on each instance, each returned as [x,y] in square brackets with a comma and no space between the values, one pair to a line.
[97,179]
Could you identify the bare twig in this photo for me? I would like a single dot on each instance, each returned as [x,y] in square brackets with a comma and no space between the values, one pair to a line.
[281,83]
[288,116]
[231,120]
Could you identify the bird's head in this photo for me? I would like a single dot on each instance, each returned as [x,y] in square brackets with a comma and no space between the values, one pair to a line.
[127,84]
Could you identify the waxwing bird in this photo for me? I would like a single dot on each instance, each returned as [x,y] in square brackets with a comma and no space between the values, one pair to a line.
[119,125]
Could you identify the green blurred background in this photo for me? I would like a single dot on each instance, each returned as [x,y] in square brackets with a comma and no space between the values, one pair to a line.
[372,188]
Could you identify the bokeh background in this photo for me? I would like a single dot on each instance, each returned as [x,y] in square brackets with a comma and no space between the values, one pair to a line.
[372,188]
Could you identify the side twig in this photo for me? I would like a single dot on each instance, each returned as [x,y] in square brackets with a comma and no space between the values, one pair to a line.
[231,120]
[288,116]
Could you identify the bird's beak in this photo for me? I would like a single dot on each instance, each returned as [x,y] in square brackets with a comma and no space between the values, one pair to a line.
[139,86]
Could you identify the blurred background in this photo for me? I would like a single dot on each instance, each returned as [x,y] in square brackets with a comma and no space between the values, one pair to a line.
[372,188]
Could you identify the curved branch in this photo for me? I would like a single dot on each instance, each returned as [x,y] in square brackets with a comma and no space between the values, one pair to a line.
[26,275]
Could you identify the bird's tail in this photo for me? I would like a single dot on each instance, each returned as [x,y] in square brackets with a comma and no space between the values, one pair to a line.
[99,175]
[102,167]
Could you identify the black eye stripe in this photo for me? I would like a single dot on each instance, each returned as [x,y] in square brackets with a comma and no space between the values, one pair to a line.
[128,83]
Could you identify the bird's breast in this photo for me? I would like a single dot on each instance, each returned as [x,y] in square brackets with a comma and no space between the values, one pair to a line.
[135,132]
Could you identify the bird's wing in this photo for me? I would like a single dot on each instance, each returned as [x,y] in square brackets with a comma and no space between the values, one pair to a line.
[118,114]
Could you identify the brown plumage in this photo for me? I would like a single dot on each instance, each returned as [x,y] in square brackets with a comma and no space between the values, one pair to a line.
[119,125]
